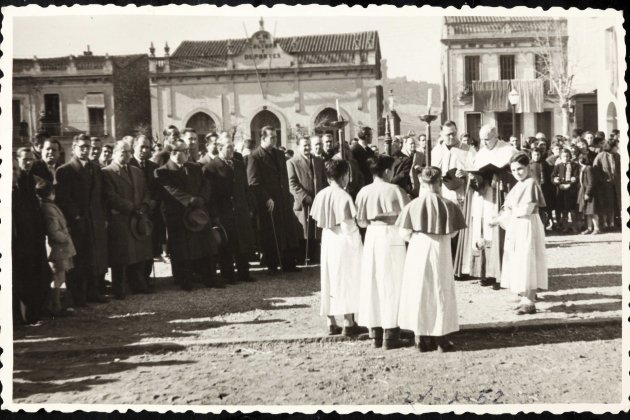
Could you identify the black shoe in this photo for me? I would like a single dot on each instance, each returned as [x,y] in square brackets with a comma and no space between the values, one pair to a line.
[496,286]
[443,345]
[334,330]
[487,281]
[377,335]
[391,339]
[351,330]
[425,344]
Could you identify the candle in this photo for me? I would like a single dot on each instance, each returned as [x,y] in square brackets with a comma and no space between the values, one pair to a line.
[429,99]
[338,113]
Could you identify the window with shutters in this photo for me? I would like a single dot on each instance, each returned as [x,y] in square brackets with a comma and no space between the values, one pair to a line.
[471,72]
[506,67]
[96,117]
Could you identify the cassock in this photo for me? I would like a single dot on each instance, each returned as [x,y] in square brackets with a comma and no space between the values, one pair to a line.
[480,250]
[334,211]
[268,178]
[378,206]
[428,305]
[524,258]
[79,193]
[306,179]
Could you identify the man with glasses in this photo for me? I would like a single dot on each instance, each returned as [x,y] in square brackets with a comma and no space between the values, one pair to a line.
[269,181]
[189,213]
[79,196]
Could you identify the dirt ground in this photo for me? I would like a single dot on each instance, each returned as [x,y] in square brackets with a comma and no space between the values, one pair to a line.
[220,346]
[568,365]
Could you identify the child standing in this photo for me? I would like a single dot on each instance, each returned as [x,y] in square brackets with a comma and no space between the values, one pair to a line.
[341,249]
[378,207]
[524,267]
[564,176]
[427,297]
[60,245]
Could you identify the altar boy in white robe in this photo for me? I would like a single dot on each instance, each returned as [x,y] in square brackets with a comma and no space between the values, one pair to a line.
[378,207]
[428,305]
[341,249]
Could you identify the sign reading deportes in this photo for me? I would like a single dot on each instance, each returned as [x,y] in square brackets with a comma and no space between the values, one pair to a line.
[263,53]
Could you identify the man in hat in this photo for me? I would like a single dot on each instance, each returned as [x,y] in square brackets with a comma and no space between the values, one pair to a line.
[79,196]
[228,182]
[141,159]
[306,178]
[186,198]
[269,181]
[491,180]
[361,152]
[129,232]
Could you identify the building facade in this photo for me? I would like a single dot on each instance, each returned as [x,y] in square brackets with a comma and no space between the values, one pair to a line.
[486,57]
[104,96]
[290,83]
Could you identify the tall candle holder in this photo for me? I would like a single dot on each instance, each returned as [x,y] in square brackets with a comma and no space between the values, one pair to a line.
[428,119]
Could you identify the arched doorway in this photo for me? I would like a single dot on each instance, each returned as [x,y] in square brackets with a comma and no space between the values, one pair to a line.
[262,119]
[324,117]
[611,118]
[202,123]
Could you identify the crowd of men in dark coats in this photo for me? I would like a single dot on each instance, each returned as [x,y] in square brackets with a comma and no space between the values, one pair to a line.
[204,208]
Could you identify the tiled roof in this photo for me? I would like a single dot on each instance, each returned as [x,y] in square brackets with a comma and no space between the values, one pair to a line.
[497,24]
[360,41]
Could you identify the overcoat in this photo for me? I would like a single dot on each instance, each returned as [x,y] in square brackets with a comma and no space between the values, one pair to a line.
[157,212]
[40,168]
[79,195]
[125,192]
[361,155]
[233,203]
[59,239]
[566,200]
[608,167]
[268,178]
[181,185]
[305,181]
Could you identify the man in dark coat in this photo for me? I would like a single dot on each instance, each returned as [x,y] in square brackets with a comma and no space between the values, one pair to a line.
[188,210]
[228,182]
[46,168]
[79,196]
[127,198]
[403,162]
[268,179]
[361,152]
[141,159]
[31,273]
[306,179]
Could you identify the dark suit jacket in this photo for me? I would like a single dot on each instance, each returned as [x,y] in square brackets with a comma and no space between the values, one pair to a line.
[268,178]
[180,185]
[401,171]
[40,169]
[125,193]
[79,195]
[230,193]
[361,155]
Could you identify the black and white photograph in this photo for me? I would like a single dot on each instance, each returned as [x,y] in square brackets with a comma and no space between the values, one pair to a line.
[304,208]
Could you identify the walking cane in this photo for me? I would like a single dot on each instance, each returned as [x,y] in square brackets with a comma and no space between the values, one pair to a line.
[275,237]
[307,234]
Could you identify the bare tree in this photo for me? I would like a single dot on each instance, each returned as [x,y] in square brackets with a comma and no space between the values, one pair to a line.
[553,67]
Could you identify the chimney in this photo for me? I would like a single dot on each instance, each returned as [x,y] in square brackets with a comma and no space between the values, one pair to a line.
[88,52]
[152,50]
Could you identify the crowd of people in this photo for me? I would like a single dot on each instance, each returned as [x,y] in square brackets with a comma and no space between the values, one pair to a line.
[391,233]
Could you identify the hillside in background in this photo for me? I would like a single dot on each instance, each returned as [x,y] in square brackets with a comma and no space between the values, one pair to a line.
[410,98]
